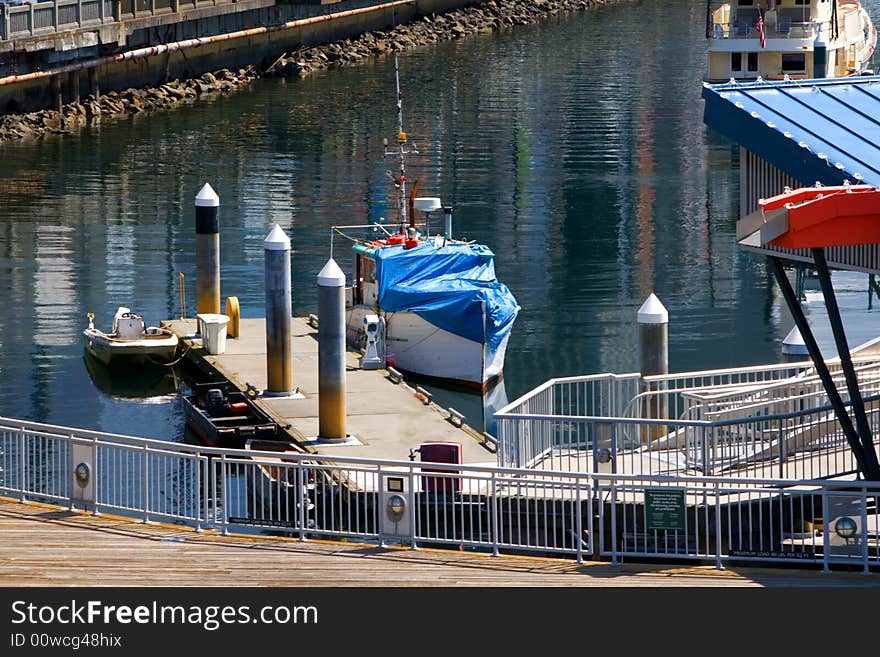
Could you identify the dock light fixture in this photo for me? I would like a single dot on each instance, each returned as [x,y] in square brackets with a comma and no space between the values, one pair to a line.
[83,474]
[846,528]
[396,507]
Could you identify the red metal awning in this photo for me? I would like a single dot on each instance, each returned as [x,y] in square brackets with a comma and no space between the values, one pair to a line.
[818,217]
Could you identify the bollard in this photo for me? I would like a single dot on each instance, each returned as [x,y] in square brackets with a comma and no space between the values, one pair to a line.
[207,251]
[279,373]
[653,356]
[331,352]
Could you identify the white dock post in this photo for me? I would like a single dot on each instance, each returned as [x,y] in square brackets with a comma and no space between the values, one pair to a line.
[653,322]
[207,251]
[794,348]
[331,353]
[279,361]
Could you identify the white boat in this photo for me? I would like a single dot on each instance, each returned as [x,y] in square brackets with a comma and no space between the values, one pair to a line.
[788,39]
[446,316]
[130,341]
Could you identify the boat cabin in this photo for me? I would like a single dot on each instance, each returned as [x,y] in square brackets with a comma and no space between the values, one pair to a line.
[775,39]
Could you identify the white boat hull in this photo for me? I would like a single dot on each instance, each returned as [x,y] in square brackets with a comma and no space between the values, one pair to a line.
[416,346]
[157,348]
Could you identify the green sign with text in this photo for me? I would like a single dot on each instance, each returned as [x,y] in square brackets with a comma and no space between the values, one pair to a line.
[664,509]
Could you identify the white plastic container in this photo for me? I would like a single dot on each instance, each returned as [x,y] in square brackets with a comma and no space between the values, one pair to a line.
[212,327]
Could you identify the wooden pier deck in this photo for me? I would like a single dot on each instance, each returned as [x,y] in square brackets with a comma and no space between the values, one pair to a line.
[386,418]
[44,545]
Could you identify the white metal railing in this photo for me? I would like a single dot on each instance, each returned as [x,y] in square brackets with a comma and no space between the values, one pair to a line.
[495,509]
[47,16]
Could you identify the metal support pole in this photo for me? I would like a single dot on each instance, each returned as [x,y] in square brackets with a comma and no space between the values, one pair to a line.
[852,438]
[849,373]
[447,216]
[279,368]
[207,251]
[331,353]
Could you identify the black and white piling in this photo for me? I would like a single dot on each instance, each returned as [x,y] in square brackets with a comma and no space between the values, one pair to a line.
[279,361]
[331,353]
[207,251]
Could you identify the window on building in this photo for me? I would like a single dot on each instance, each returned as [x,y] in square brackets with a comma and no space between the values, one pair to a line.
[736,61]
[794,62]
[753,62]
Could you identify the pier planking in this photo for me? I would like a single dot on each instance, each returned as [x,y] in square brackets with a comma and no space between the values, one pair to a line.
[45,545]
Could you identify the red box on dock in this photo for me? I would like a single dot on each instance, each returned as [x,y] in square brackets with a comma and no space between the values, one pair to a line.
[441,452]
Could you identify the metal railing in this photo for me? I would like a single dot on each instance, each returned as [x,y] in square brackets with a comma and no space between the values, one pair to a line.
[493,509]
[787,25]
[721,520]
[46,17]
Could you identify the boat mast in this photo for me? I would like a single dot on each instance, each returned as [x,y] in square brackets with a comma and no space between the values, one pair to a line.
[402,151]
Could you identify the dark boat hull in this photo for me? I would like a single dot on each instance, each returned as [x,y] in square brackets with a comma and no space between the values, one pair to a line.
[230,425]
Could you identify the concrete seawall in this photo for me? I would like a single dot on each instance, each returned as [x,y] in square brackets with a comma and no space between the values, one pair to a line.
[59,98]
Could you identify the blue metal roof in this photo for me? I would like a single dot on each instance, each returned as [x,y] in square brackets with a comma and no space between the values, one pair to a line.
[814,130]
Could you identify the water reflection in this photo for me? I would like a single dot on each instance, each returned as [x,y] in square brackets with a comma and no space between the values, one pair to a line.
[587,171]
[134,383]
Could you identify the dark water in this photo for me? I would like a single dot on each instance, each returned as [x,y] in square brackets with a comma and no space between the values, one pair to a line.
[574,148]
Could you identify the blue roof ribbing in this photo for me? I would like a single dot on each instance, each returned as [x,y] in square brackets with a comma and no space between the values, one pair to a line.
[814,130]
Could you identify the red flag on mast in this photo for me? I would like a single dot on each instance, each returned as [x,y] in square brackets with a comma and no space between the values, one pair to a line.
[760,26]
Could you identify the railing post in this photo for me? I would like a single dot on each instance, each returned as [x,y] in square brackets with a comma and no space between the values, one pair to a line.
[866,570]
[302,479]
[718,564]
[145,486]
[31,18]
[206,478]
[493,510]
[79,12]
[96,473]
[198,499]
[826,543]
[411,494]
[614,523]
[22,466]
[55,14]
[225,516]
[579,521]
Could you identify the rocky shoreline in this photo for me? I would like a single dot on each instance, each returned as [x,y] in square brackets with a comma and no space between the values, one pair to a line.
[488,17]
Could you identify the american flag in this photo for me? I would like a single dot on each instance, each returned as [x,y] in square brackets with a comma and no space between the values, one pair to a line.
[760,26]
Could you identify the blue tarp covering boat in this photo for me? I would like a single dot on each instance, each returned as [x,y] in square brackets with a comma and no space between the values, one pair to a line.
[445,286]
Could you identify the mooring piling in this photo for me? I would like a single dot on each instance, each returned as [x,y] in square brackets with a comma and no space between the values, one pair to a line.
[794,348]
[653,320]
[279,362]
[207,251]
[331,353]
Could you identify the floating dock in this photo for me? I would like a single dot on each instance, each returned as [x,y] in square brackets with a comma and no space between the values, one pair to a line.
[386,417]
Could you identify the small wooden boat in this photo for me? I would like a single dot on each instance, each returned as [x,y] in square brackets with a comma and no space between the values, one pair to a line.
[131,340]
[223,416]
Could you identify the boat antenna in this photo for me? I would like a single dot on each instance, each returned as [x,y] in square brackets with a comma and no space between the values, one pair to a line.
[402,151]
